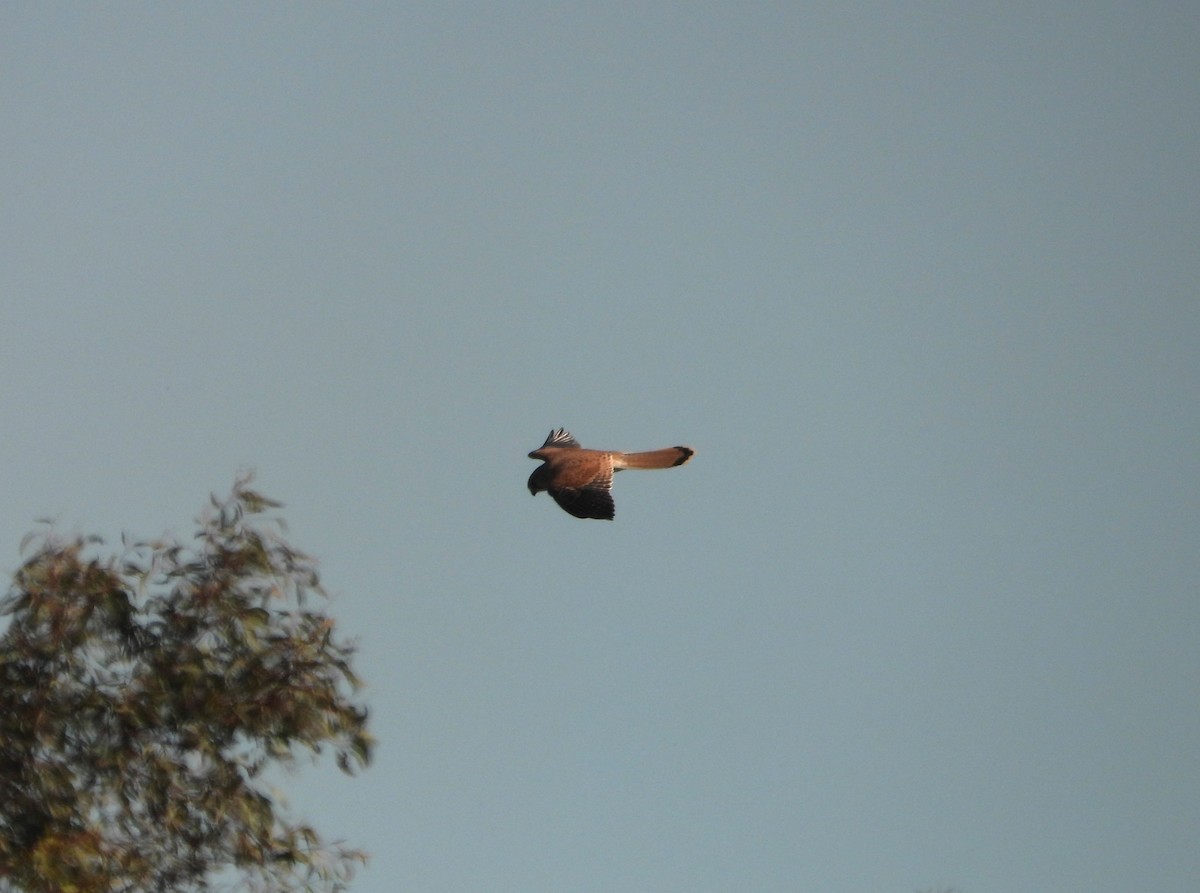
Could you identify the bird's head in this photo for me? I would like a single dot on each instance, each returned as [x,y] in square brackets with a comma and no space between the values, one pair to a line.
[537,482]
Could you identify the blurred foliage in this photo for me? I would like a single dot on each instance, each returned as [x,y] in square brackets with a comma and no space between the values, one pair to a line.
[142,698]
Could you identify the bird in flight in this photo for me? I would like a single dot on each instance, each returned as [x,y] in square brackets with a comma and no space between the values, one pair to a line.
[581,480]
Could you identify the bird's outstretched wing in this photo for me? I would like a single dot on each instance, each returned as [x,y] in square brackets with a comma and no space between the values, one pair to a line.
[593,501]
[560,437]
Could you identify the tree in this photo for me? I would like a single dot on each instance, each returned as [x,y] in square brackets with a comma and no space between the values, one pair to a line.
[142,698]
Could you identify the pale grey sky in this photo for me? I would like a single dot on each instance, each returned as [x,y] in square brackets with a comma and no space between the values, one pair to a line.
[918,282]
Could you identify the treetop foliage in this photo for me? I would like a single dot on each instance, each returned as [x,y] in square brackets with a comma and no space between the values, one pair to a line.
[142,697]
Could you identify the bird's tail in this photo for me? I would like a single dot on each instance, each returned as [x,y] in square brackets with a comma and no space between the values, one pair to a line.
[668,458]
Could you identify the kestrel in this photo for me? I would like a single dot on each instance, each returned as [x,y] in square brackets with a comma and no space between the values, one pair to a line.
[581,480]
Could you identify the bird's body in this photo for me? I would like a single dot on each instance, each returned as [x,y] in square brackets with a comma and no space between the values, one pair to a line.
[581,480]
